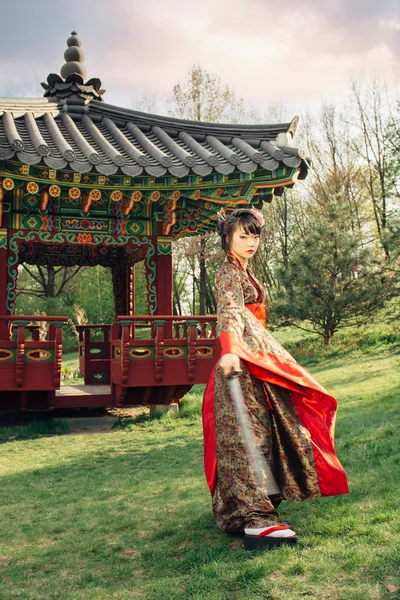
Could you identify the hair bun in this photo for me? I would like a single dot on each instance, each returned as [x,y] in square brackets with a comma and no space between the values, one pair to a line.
[221,223]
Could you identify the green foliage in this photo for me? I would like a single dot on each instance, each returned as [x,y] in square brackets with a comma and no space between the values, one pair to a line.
[332,280]
[90,289]
[192,257]
[93,291]
[70,375]
[46,281]
[140,289]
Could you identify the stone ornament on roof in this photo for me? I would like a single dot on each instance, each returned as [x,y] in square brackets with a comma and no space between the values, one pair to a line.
[73,74]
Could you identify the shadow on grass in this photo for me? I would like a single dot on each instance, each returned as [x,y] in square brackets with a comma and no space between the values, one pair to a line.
[34,428]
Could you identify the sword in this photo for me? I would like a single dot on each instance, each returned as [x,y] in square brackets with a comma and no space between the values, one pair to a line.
[261,468]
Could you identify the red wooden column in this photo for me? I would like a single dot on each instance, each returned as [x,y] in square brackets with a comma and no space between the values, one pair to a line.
[123,288]
[116,285]
[4,279]
[164,281]
[131,289]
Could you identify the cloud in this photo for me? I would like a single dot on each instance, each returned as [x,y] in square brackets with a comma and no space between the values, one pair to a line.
[268,51]
[124,42]
[332,26]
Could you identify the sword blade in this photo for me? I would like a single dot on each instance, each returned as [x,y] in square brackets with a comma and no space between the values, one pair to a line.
[262,471]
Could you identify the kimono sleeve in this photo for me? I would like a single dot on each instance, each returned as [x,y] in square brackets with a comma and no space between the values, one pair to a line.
[230,308]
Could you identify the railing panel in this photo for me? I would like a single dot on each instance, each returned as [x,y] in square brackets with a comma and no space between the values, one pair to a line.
[28,363]
[94,354]
[186,358]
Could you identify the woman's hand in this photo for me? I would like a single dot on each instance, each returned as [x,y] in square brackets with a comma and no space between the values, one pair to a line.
[228,363]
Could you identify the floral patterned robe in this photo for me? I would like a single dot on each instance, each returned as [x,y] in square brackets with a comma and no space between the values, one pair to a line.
[291,414]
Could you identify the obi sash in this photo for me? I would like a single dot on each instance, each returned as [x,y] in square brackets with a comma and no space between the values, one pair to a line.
[259,311]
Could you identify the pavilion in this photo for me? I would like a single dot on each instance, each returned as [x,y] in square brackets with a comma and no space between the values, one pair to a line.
[83,182]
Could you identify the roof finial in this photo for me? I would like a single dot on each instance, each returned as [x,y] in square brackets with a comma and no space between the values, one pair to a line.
[74,57]
[73,75]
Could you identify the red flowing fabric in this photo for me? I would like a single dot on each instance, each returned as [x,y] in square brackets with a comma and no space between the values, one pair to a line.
[315,407]
[259,311]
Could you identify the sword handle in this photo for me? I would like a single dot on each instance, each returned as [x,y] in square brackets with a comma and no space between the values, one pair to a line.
[233,374]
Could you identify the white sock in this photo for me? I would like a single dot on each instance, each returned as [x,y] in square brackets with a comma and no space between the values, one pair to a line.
[281,533]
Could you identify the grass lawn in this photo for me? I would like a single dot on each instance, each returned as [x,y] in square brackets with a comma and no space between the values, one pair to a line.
[70,359]
[70,369]
[126,514]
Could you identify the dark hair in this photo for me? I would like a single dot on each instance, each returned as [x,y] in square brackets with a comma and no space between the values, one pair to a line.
[241,217]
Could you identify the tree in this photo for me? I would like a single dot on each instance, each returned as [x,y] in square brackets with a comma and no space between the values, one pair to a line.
[201,97]
[284,224]
[332,280]
[48,281]
[148,101]
[336,274]
[377,145]
[88,293]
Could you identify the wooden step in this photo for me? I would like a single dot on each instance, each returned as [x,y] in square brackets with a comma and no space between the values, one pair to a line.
[83,390]
[84,396]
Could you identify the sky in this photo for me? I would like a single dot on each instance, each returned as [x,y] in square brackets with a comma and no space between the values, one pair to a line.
[271,52]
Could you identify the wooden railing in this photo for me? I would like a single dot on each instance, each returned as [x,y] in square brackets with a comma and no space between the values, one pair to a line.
[184,357]
[94,354]
[31,364]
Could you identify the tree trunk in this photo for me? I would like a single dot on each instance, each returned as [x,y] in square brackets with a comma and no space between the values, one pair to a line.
[99,295]
[193,289]
[211,296]
[46,279]
[203,275]
[51,282]
[177,298]
[285,234]
[329,328]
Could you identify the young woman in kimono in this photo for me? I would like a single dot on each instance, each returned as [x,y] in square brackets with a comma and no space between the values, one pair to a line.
[292,416]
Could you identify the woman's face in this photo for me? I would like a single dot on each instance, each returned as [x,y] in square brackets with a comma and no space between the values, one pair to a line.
[244,245]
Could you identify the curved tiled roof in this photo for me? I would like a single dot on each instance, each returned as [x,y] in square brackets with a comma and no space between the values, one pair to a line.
[83,135]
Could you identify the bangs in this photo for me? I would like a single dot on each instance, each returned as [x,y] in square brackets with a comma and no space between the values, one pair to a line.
[242,218]
[248,222]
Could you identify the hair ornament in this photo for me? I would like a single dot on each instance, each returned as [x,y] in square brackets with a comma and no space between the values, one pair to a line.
[258,215]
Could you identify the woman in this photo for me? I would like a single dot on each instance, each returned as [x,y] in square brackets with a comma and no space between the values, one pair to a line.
[292,416]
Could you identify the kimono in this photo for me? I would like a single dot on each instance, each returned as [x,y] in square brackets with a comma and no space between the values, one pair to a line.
[292,416]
